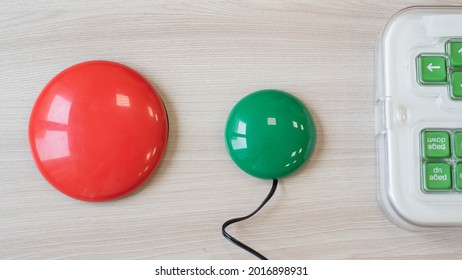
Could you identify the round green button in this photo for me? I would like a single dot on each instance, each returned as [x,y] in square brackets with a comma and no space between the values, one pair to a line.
[270,134]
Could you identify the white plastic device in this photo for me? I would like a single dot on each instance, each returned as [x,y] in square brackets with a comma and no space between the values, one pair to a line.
[404,108]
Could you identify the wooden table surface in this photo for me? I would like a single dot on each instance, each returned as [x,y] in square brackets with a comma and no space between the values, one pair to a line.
[203,57]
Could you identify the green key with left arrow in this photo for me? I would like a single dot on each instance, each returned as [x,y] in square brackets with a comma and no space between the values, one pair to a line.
[432,69]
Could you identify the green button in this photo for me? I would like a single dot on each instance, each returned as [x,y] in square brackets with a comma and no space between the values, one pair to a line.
[454,50]
[432,69]
[437,176]
[270,134]
[458,144]
[456,84]
[459,176]
[436,144]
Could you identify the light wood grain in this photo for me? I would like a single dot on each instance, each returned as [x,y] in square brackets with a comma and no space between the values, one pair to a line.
[204,56]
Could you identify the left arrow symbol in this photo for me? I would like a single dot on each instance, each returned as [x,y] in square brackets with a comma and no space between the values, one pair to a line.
[430,67]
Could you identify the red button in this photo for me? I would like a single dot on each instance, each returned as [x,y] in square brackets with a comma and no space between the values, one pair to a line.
[98,130]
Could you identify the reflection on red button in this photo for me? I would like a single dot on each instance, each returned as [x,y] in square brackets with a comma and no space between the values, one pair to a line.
[98,130]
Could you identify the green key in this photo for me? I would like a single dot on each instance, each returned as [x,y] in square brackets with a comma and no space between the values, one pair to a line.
[436,144]
[456,84]
[432,69]
[454,50]
[437,176]
[458,144]
[459,176]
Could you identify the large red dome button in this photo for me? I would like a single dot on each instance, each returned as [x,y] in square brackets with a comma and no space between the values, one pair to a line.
[98,130]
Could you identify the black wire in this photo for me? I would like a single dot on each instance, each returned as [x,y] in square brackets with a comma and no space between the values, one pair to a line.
[236,220]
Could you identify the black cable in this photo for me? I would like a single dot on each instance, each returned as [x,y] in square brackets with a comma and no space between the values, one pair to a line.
[236,220]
